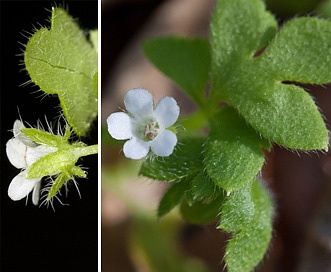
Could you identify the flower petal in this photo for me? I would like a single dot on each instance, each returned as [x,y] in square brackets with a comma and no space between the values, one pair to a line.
[166,112]
[21,187]
[18,125]
[136,149]
[35,153]
[164,143]
[36,192]
[119,125]
[16,151]
[139,102]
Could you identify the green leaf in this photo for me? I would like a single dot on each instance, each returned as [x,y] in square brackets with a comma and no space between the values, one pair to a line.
[61,61]
[239,29]
[185,61]
[284,114]
[201,212]
[301,51]
[203,187]
[238,210]
[184,162]
[247,248]
[171,198]
[233,151]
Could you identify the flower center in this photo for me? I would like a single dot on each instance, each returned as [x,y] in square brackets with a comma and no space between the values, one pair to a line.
[150,130]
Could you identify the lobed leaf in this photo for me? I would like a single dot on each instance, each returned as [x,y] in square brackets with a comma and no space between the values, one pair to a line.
[61,61]
[239,29]
[301,51]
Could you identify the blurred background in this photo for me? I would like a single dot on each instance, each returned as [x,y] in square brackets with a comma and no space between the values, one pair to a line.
[133,239]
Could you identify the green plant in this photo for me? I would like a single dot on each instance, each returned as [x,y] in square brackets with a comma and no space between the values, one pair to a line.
[253,67]
[63,62]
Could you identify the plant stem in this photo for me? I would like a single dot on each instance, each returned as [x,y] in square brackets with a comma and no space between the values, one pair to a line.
[88,150]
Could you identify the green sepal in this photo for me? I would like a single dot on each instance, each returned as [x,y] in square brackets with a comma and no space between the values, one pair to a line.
[61,61]
[185,61]
[184,162]
[62,178]
[62,160]
[233,151]
[57,184]
[46,138]
[78,172]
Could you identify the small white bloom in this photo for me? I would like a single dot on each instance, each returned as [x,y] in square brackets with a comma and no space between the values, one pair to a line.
[144,125]
[22,152]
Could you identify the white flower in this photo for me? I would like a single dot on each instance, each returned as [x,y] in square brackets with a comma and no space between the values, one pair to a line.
[22,152]
[144,125]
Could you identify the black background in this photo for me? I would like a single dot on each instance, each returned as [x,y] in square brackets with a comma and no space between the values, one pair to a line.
[37,238]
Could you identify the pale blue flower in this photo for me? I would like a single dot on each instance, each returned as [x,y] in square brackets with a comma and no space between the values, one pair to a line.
[22,153]
[144,126]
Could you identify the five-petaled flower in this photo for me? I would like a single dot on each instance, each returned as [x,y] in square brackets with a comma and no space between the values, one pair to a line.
[22,152]
[144,125]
